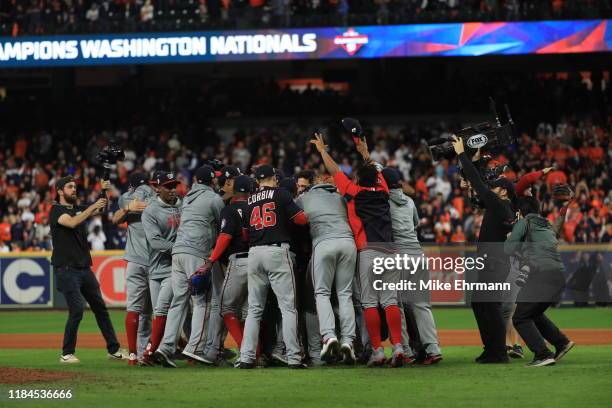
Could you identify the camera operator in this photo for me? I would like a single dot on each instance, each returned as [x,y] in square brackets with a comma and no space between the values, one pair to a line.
[533,238]
[498,215]
[71,262]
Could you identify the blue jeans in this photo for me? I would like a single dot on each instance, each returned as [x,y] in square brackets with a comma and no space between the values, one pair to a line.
[78,284]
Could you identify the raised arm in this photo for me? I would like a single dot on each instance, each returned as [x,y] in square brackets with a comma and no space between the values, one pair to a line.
[472,175]
[330,164]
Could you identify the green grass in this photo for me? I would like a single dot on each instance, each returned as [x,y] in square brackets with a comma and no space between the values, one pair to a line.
[582,379]
[446,318]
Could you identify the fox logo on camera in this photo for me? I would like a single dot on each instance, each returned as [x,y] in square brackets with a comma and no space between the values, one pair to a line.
[477,141]
[25,281]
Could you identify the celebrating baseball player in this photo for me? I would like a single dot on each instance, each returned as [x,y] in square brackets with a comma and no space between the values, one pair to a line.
[195,237]
[370,220]
[138,318]
[161,220]
[333,261]
[269,264]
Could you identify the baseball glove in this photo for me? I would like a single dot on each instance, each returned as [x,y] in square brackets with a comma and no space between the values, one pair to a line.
[200,281]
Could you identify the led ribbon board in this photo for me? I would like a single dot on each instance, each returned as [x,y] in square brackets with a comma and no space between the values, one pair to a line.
[420,40]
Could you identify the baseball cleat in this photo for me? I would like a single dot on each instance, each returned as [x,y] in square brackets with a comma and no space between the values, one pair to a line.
[69,359]
[397,358]
[562,351]
[246,366]
[197,357]
[279,359]
[377,358]
[348,354]
[409,360]
[515,351]
[163,359]
[431,359]
[133,360]
[118,355]
[329,349]
[298,366]
[542,362]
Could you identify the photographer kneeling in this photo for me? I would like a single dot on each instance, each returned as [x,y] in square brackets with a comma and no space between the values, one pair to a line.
[534,241]
[496,197]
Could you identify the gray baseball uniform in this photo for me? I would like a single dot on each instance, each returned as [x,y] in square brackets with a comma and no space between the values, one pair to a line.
[137,272]
[195,238]
[269,265]
[334,257]
[404,220]
[161,221]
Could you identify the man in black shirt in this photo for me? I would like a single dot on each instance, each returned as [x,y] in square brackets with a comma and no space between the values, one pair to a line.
[270,210]
[71,262]
[496,224]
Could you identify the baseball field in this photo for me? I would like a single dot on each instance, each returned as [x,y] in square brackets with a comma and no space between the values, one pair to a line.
[30,343]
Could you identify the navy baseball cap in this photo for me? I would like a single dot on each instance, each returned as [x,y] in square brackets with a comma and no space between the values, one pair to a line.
[205,174]
[138,179]
[166,178]
[264,171]
[243,184]
[228,172]
[392,177]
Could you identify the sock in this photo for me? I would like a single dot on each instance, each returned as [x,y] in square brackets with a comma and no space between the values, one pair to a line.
[372,322]
[234,327]
[131,330]
[157,332]
[394,323]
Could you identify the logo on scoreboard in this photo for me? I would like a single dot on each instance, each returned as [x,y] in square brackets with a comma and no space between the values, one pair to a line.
[351,41]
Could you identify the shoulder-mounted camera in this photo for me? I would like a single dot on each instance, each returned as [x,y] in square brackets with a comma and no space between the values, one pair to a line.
[484,136]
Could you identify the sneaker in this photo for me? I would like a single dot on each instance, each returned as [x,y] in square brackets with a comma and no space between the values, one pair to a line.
[279,359]
[397,358]
[515,351]
[348,354]
[69,359]
[329,349]
[563,350]
[246,366]
[119,355]
[431,359]
[163,359]
[377,358]
[298,366]
[543,361]
[133,359]
[197,357]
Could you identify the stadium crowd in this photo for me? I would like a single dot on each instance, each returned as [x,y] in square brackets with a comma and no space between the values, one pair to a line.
[579,150]
[38,17]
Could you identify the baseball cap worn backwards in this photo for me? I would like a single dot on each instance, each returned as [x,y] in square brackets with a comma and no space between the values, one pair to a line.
[61,183]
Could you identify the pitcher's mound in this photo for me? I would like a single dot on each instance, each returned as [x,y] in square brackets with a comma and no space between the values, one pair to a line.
[12,375]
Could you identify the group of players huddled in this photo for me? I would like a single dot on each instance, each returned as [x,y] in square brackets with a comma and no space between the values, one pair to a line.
[201,266]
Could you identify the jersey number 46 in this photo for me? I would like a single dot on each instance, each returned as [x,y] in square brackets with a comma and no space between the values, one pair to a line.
[263,216]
